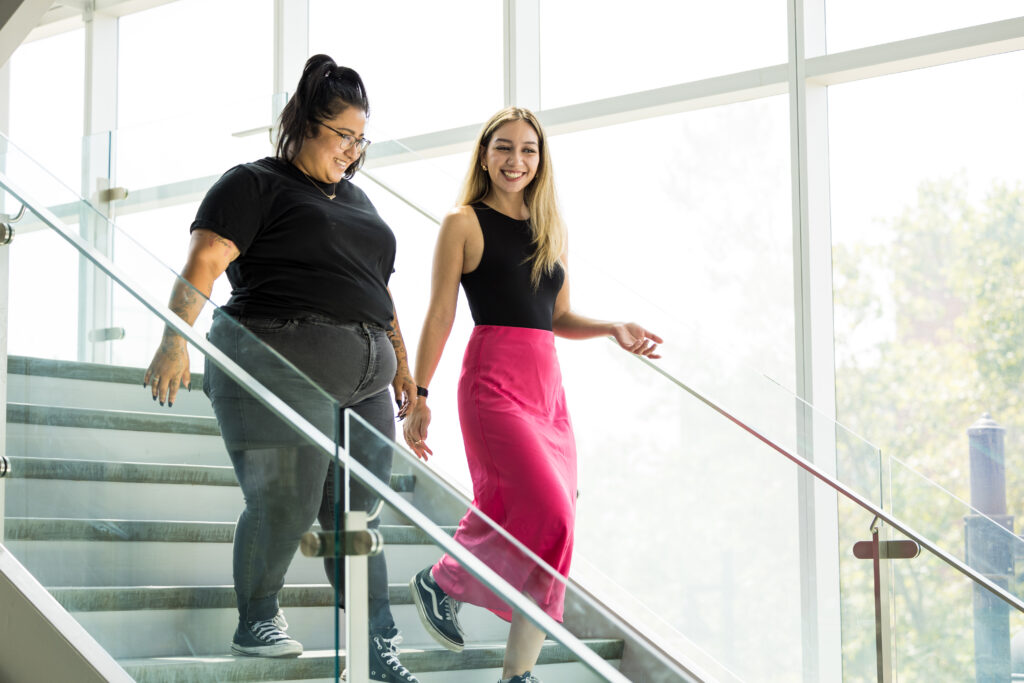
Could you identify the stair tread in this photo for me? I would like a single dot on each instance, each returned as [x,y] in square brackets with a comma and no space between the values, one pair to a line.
[147,473]
[320,663]
[104,418]
[129,598]
[80,370]
[164,531]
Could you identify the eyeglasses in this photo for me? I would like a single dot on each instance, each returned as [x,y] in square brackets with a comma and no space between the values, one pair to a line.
[346,141]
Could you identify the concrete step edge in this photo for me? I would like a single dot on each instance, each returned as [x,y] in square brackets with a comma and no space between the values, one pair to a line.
[96,418]
[133,598]
[145,473]
[320,663]
[77,370]
[163,531]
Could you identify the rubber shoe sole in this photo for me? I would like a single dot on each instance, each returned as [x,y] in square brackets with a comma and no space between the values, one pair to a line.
[421,610]
[292,649]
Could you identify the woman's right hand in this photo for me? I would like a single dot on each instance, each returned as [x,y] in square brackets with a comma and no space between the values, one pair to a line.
[168,370]
[415,429]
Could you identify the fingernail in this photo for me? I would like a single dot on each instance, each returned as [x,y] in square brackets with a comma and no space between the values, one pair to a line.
[161,402]
[170,404]
[154,398]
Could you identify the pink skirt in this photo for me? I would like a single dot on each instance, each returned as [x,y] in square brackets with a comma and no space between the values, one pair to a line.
[522,458]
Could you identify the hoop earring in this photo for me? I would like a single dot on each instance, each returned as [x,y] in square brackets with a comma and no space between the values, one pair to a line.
[484,166]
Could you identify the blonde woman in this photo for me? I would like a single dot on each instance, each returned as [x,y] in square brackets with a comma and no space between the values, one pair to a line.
[506,244]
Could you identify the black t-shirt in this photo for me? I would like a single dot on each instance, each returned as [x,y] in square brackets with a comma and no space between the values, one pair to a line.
[300,252]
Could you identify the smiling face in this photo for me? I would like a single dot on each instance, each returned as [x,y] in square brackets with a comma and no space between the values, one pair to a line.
[512,156]
[321,157]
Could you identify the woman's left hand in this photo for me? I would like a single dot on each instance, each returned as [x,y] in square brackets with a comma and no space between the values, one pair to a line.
[405,392]
[635,339]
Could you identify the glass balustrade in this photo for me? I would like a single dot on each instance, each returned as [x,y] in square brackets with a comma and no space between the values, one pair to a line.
[691,457]
[124,507]
[649,452]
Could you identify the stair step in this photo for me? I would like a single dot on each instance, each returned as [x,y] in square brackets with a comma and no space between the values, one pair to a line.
[65,529]
[56,416]
[321,663]
[125,598]
[65,369]
[145,473]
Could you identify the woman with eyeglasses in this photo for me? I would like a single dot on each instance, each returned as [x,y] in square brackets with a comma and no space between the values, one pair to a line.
[505,243]
[309,260]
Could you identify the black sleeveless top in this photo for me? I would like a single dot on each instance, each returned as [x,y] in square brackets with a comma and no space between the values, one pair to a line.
[499,290]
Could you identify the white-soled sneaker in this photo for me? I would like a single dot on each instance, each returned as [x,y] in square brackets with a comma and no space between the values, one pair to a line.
[264,639]
[521,678]
[439,613]
[384,664]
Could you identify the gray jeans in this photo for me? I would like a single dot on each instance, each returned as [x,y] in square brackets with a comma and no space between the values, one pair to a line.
[287,482]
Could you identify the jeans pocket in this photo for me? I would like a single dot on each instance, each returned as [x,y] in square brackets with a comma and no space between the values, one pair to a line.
[266,324]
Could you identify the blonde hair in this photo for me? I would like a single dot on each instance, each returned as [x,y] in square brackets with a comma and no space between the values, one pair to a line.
[546,225]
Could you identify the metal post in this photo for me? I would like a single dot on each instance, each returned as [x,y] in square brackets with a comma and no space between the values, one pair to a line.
[988,550]
[357,609]
[357,544]
[877,550]
[5,257]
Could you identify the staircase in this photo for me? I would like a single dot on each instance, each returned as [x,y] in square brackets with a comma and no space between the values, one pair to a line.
[125,511]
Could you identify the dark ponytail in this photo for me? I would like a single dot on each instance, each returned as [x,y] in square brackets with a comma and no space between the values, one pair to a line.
[324,91]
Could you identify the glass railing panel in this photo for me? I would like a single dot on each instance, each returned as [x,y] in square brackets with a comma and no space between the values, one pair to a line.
[497,561]
[717,371]
[227,134]
[125,507]
[939,623]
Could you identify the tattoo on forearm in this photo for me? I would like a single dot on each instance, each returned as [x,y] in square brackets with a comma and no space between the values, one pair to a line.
[395,336]
[186,304]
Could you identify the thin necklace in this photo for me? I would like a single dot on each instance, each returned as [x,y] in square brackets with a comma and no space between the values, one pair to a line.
[332,195]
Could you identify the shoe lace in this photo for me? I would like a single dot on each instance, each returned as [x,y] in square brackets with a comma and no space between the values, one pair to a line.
[267,631]
[526,677]
[390,653]
[451,611]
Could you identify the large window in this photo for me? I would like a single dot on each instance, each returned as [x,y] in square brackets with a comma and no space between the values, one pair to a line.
[192,75]
[680,208]
[592,50]
[927,223]
[47,103]
[427,66]
[857,23]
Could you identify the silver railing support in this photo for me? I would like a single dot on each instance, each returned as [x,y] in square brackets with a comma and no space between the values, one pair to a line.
[357,610]
[6,227]
[877,550]
[356,543]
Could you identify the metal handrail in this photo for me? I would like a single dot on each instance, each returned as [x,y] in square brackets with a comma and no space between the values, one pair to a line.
[842,489]
[270,400]
[801,462]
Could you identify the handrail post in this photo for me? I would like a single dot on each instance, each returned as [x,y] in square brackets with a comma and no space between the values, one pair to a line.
[877,550]
[988,550]
[357,610]
[352,546]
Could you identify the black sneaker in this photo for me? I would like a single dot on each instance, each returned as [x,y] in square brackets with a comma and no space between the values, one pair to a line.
[521,678]
[439,614]
[264,639]
[384,664]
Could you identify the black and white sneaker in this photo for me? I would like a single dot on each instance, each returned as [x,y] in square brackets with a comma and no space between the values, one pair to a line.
[384,664]
[264,639]
[438,612]
[521,678]
[280,621]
